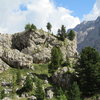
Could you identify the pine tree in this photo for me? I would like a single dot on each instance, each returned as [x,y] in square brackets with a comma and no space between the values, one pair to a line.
[88,71]
[71,35]
[62,33]
[30,27]
[49,26]
[61,94]
[56,59]
[74,92]
[33,27]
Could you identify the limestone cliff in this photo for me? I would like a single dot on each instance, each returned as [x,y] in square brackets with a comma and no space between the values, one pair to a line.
[24,48]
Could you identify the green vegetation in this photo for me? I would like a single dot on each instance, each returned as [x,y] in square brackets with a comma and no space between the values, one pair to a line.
[30,27]
[71,35]
[18,77]
[88,71]
[74,92]
[61,95]
[85,74]
[56,59]
[2,94]
[39,92]
[62,33]
[28,86]
[49,26]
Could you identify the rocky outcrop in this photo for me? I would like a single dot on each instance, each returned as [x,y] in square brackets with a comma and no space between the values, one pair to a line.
[88,34]
[38,44]
[16,59]
[3,66]
[24,48]
[62,77]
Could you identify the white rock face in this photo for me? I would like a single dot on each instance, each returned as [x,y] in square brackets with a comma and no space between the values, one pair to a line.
[24,48]
[38,44]
[88,34]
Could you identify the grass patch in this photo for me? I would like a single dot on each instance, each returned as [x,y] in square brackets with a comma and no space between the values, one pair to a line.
[41,68]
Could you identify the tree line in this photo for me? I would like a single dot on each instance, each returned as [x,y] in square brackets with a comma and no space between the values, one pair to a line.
[61,34]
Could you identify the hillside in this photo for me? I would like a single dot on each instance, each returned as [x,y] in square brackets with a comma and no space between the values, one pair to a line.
[29,53]
[37,65]
[24,48]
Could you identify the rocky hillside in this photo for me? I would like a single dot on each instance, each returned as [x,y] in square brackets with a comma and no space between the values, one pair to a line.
[24,48]
[88,34]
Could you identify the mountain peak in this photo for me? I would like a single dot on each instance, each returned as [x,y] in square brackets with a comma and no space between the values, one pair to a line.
[98,19]
[88,34]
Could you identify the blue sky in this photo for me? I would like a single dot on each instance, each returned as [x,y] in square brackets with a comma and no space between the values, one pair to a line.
[15,14]
[79,7]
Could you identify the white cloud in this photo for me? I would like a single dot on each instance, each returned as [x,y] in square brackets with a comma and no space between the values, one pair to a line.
[94,13]
[39,12]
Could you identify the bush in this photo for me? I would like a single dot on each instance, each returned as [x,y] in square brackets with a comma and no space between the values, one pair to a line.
[2,94]
[39,90]
[28,86]
[18,77]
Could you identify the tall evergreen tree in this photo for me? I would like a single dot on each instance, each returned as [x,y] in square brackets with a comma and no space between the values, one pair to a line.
[71,35]
[56,59]
[74,92]
[49,26]
[88,71]
[62,33]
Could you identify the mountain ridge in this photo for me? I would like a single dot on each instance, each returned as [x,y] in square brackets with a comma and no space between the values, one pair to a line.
[88,34]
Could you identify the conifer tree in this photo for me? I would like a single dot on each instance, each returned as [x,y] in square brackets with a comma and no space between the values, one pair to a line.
[56,59]
[30,27]
[88,71]
[61,94]
[74,92]
[71,35]
[62,33]
[49,26]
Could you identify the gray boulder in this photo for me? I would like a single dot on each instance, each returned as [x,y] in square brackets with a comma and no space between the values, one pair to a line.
[15,58]
[62,77]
